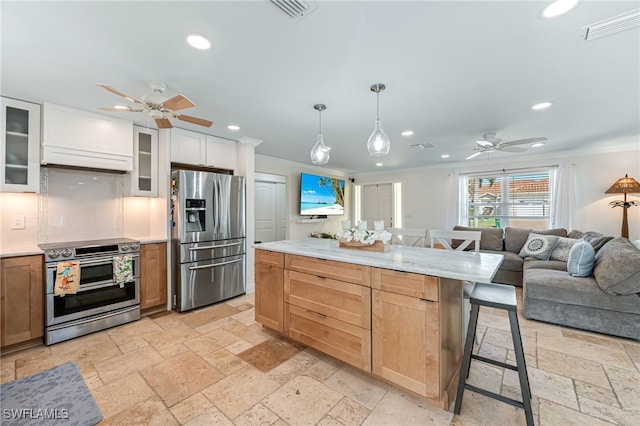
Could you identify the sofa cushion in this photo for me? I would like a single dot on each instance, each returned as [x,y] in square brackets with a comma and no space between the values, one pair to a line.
[560,287]
[556,265]
[514,238]
[510,261]
[617,269]
[538,246]
[596,239]
[562,248]
[490,239]
[581,259]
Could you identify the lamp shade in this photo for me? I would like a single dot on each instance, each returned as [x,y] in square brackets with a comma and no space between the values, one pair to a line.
[625,185]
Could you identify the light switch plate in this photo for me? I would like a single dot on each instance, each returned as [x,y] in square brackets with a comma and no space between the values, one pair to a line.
[17,221]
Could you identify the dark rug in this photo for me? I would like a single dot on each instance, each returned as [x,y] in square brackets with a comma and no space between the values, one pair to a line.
[58,396]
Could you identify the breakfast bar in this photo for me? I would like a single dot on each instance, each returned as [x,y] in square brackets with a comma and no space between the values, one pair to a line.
[396,314]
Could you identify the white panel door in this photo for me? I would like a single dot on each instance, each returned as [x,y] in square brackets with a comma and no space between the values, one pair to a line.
[377,204]
[265,212]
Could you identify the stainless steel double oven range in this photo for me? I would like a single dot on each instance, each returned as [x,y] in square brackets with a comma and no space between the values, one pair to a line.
[100,303]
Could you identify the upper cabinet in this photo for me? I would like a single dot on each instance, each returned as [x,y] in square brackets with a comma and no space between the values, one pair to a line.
[194,148]
[144,177]
[19,159]
[78,138]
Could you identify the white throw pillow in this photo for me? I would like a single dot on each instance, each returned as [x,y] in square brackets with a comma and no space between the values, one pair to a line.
[538,246]
[581,259]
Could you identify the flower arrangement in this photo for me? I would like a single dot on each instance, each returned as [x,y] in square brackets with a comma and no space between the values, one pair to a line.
[364,236]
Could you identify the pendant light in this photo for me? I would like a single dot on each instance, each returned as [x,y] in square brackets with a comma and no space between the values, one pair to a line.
[320,152]
[378,143]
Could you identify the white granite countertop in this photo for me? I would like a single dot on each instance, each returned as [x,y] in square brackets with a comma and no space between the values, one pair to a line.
[477,267]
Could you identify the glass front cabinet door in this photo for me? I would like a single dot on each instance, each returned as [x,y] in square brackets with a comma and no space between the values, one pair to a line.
[20,153]
[144,178]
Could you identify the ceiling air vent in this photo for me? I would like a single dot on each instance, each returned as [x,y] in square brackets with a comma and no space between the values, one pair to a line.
[612,25]
[422,145]
[294,9]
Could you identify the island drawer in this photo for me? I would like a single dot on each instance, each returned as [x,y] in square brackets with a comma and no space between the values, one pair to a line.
[347,302]
[414,285]
[272,258]
[339,339]
[349,272]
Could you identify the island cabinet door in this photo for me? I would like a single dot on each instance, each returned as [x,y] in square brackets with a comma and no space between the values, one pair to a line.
[404,336]
[270,296]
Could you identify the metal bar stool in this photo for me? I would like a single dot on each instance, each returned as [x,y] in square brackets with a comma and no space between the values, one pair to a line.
[497,296]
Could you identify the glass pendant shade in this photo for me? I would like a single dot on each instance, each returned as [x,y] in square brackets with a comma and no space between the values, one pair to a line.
[378,143]
[320,152]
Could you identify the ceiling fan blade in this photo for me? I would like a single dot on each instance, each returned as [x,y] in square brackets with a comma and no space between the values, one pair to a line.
[178,102]
[121,109]
[473,155]
[163,123]
[194,120]
[523,141]
[119,93]
[508,148]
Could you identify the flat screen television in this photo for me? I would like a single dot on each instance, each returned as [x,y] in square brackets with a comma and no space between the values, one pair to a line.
[321,195]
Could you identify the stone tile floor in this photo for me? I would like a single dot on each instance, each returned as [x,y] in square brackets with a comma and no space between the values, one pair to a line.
[217,366]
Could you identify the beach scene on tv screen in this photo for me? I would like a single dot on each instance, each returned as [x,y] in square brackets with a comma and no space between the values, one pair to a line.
[321,195]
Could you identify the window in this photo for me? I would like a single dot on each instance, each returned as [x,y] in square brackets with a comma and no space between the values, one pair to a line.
[508,199]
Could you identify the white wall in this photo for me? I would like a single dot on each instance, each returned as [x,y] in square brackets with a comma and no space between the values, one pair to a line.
[291,170]
[424,191]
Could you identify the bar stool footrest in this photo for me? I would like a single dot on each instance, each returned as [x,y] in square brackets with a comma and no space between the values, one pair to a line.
[494,362]
[494,395]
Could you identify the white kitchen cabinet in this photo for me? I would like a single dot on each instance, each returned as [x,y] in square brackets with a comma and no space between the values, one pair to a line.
[144,177]
[79,138]
[195,148]
[221,153]
[20,156]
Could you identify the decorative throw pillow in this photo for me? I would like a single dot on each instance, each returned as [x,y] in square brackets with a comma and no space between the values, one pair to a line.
[562,248]
[581,259]
[617,269]
[538,246]
[596,239]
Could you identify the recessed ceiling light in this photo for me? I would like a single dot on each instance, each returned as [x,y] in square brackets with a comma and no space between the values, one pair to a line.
[537,144]
[559,7]
[541,105]
[233,127]
[122,107]
[379,164]
[407,133]
[444,156]
[198,42]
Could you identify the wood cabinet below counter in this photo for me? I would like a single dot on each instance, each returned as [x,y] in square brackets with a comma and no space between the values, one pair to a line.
[22,305]
[153,275]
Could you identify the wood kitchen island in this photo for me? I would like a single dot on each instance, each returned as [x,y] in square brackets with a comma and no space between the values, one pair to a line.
[396,314]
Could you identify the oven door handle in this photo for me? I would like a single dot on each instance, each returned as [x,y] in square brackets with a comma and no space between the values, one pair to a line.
[215,246]
[213,265]
[87,262]
[98,285]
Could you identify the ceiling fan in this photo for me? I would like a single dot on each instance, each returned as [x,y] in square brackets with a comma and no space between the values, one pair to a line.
[157,107]
[490,143]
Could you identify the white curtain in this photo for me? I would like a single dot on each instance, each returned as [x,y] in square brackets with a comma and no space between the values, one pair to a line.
[562,198]
[454,212]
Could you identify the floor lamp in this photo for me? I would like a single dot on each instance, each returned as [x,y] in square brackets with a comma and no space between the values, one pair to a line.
[625,185]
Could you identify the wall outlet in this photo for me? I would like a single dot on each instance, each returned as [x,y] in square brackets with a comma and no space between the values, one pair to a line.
[17,221]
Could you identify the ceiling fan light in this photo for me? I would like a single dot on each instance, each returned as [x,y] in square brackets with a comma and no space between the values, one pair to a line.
[122,107]
[320,153]
[198,42]
[379,143]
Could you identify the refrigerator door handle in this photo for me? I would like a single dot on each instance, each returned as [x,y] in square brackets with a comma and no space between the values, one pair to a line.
[213,265]
[216,246]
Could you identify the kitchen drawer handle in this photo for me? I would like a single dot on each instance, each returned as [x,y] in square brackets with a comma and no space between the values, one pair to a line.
[213,265]
[214,247]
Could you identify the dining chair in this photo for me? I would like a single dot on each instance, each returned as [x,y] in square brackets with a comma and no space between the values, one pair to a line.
[459,241]
[416,237]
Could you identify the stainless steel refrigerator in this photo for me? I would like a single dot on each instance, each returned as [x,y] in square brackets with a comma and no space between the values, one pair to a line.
[208,238]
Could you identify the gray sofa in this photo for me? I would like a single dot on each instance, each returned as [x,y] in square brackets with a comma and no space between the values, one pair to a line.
[607,302]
